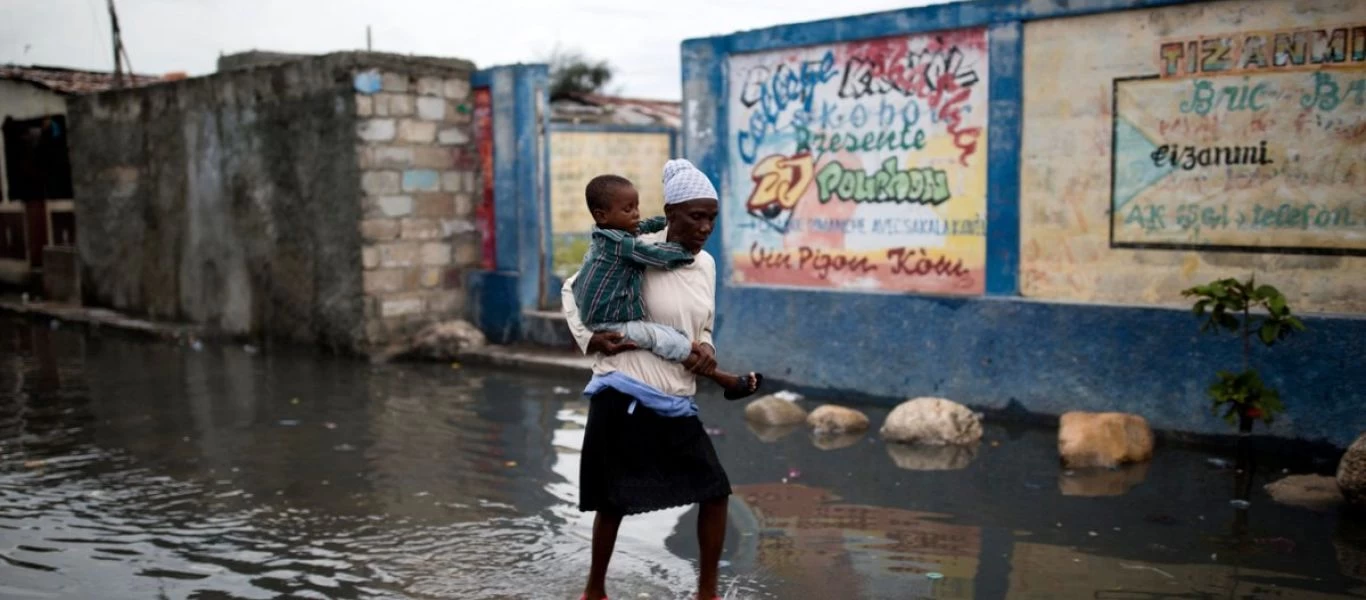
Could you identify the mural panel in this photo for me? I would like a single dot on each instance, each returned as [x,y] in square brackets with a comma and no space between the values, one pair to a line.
[860,166]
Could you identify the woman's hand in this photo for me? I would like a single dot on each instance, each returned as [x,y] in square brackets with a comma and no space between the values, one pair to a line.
[706,359]
[609,343]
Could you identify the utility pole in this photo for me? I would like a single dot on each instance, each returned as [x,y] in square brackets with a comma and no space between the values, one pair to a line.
[120,52]
[368,47]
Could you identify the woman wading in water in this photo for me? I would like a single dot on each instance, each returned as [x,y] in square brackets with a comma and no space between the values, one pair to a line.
[644,448]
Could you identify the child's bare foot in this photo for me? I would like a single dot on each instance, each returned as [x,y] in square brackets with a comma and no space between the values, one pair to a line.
[738,386]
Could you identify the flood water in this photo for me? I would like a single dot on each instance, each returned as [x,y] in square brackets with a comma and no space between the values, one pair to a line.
[145,469]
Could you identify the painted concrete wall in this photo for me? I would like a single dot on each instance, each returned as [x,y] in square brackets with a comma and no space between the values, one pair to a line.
[262,202]
[999,350]
[576,157]
[20,100]
[847,175]
[1127,191]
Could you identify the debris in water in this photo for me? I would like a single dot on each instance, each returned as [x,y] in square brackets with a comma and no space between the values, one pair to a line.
[995,444]
[34,464]
[288,422]
[455,365]
[714,431]
[793,473]
[293,400]
[562,391]
[343,448]
[786,395]
[250,349]
[422,494]
[330,425]
[510,464]
[1093,534]
[197,345]
[1218,463]
[933,575]
[1239,504]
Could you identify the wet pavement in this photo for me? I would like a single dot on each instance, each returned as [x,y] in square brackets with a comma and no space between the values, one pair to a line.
[143,469]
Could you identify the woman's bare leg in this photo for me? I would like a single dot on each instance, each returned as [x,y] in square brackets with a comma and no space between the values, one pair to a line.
[711,537]
[605,526]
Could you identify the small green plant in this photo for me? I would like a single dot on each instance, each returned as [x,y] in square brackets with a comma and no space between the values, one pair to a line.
[1228,304]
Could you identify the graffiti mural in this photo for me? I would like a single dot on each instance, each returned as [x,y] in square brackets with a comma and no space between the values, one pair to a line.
[1251,142]
[860,166]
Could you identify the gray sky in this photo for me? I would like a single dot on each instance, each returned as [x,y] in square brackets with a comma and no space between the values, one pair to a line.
[640,38]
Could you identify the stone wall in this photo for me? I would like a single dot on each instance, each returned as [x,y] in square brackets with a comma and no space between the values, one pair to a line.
[253,201]
[417,163]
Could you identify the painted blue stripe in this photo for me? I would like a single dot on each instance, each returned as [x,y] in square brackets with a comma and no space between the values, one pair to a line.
[530,249]
[705,130]
[505,213]
[1004,131]
[539,75]
[955,15]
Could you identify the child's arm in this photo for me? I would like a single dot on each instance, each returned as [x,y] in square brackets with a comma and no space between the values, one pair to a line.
[653,225]
[663,255]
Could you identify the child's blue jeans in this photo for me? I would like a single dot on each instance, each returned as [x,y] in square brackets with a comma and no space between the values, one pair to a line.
[666,342]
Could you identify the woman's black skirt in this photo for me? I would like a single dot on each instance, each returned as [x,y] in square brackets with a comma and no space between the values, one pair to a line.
[640,462]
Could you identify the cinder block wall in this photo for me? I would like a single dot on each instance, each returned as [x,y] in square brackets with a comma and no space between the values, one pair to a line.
[281,201]
[417,176]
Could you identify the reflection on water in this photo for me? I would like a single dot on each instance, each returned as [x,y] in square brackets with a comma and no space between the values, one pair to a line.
[133,469]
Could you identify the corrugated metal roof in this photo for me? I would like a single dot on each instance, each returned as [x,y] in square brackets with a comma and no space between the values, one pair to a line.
[70,81]
[597,108]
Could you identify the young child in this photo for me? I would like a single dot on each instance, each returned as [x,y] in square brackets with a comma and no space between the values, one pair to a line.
[607,287]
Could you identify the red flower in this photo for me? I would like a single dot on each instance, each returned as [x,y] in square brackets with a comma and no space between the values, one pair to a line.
[1254,413]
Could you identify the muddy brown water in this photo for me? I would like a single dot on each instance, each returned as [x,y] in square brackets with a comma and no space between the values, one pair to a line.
[133,468]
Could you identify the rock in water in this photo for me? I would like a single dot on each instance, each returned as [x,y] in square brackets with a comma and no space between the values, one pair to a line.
[446,340]
[837,419]
[932,421]
[1352,473]
[774,410]
[1103,439]
[1314,492]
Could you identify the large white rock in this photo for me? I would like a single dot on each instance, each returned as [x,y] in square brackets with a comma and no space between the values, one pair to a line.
[1352,472]
[932,421]
[446,340]
[1315,492]
[774,409]
[1103,439]
[830,419]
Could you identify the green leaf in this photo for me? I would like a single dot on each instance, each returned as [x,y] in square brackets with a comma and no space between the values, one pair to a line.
[1200,307]
[1228,322]
[1277,305]
[1270,331]
[1295,323]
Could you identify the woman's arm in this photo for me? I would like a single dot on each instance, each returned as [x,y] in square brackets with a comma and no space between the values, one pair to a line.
[571,315]
[606,342]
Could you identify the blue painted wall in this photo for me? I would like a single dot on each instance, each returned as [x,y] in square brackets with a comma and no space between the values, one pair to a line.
[999,350]
[521,279]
